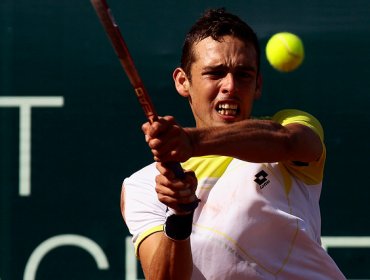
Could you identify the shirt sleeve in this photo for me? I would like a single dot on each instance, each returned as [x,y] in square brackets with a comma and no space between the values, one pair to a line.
[144,213]
[310,173]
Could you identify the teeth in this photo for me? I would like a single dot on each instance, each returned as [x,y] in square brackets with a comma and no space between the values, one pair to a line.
[227,109]
[228,106]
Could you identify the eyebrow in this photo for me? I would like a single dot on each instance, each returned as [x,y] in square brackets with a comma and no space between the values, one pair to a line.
[214,67]
[223,67]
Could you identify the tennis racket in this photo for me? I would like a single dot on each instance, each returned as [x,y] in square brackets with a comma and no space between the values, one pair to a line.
[114,34]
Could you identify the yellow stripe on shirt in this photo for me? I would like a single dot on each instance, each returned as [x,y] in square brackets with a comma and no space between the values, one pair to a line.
[311,174]
[207,166]
[144,235]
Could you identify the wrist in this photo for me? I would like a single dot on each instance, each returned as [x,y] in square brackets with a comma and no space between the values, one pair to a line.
[178,226]
[191,133]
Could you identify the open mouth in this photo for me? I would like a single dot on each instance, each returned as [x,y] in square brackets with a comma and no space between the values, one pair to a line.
[227,109]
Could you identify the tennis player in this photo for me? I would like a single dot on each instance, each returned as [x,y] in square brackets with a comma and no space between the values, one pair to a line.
[258,181]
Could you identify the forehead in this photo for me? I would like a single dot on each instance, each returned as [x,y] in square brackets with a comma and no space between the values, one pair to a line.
[228,51]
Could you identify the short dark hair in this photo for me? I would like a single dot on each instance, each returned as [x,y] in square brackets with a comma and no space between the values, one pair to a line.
[216,23]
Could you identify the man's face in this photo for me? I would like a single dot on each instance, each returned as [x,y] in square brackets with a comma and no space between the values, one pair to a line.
[224,81]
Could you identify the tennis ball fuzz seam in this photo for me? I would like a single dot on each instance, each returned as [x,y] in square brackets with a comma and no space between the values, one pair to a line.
[285,51]
[290,51]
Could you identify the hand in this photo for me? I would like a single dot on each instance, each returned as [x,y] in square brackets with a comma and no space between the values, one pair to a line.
[167,140]
[172,191]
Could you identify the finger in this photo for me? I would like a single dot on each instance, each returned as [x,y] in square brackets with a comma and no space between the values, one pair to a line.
[164,133]
[174,188]
[163,124]
[173,192]
[145,129]
[174,184]
[169,119]
[160,126]
[150,130]
[165,171]
[165,151]
[168,175]
[176,203]
[191,179]
[185,192]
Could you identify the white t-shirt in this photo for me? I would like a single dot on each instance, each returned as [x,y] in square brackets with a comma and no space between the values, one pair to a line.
[254,221]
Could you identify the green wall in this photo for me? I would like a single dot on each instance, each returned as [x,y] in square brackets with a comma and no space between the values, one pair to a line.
[87,140]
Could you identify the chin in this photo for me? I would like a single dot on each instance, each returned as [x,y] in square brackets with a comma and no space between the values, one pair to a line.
[228,119]
[224,121]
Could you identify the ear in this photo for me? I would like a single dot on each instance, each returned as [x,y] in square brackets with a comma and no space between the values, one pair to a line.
[258,91]
[182,82]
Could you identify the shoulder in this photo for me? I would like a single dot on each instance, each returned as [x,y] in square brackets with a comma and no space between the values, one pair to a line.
[311,173]
[144,214]
[290,116]
[139,188]
[144,175]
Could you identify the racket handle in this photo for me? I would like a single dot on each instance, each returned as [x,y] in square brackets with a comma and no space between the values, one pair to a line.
[176,168]
[179,173]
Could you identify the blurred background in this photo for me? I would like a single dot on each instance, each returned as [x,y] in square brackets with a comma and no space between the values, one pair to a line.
[70,123]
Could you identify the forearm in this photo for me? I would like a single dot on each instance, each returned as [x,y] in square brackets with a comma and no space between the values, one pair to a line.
[171,260]
[251,140]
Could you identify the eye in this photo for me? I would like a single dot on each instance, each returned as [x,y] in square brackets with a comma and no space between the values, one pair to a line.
[215,74]
[244,74]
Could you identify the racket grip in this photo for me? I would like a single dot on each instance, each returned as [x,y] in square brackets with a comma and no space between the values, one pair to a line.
[176,168]
[179,173]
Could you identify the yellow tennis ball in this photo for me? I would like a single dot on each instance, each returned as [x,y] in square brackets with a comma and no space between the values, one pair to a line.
[285,51]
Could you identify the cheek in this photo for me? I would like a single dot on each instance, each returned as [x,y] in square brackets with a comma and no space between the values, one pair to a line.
[202,108]
[203,95]
[199,104]
[248,106]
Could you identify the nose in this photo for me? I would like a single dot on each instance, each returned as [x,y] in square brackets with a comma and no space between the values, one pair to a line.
[228,84]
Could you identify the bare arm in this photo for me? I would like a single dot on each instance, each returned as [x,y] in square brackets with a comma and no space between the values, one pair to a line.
[250,140]
[258,141]
[163,258]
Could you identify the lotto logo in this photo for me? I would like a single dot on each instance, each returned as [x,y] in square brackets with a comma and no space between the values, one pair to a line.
[261,179]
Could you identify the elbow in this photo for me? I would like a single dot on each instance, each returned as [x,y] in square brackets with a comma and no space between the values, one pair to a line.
[303,145]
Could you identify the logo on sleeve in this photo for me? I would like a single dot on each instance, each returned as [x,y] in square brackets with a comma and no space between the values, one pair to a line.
[261,179]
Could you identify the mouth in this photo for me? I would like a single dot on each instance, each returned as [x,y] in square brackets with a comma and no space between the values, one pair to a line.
[229,109]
